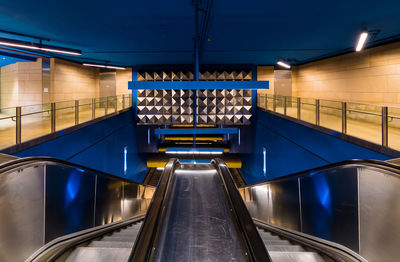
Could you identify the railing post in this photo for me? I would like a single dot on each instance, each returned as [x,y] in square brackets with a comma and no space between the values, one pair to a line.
[123,101]
[274,103]
[18,125]
[344,117]
[298,108]
[53,117]
[130,100]
[317,111]
[106,106]
[266,102]
[284,105]
[115,104]
[93,108]
[385,125]
[76,112]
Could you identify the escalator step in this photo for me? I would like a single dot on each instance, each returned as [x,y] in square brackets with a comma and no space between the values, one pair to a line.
[111,244]
[119,238]
[99,254]
[278,256]
[266,238]
[273,242]
[294,248]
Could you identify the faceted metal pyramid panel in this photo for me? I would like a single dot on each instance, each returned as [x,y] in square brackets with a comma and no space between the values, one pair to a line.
[159,107]
[205,75]
[165,106]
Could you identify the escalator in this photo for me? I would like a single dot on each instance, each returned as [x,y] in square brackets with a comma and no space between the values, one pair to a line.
[196,212]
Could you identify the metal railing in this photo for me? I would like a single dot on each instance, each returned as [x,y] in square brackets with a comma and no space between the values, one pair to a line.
[374,123]
[23,123]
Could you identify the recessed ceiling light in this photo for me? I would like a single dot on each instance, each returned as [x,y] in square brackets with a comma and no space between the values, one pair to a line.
[34,46]
[361,41]
[283,64]
[104,66]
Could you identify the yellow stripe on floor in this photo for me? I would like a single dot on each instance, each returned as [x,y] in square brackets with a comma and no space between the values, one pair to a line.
[185,138]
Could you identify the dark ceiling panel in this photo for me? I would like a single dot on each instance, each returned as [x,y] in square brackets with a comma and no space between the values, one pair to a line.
[161,32]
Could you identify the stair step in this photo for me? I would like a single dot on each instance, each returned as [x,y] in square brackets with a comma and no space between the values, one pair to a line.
[119,238]
[99,254]
[268,242]
[279,256]
[111,244]
[291,248]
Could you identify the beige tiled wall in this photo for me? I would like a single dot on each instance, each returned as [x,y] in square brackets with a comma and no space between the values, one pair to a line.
[21,84]
[370,76]
[71,81]
[266,73]
[123,77]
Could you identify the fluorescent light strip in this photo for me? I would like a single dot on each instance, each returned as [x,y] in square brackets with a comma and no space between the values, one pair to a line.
[34,46]
[361,41]
[104,66]
[160,168]
[283,64]
[194,152]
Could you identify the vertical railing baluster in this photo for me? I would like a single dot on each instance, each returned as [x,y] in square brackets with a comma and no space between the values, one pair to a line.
[53,117]
[274,103]
[115,104]
[76,112]
[93,108]
[385,126]
[284,105]
[123,101]
[344,117]
[18,125]
[299,108]
[106,112]
[317,112]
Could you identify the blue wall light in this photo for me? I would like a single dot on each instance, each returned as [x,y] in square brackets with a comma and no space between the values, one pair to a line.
[148,135]
[125,159]
[264,161]
[239,136]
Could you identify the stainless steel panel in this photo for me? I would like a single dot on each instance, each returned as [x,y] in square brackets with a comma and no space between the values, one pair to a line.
[21,212]
[330,205]
[198,224]
[379,215]
[109,200]
[276,203]
[131,200]
[69,200]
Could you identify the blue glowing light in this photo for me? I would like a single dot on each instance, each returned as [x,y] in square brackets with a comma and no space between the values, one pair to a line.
[72,188]
[239,136]
[323,192]
[148,135]
[125,159]
[264,161]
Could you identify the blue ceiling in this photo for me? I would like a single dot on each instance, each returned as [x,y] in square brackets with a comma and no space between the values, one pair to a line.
[135,33]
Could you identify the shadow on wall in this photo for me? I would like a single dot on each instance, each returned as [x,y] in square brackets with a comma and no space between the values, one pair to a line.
[292,148]
[101,147]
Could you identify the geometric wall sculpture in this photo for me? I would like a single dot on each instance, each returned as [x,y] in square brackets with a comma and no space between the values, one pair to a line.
[217,106]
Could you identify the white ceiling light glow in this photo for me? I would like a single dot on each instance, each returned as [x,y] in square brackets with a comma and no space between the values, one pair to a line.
[104,66]
[361,41]
[283,64]
[34,46]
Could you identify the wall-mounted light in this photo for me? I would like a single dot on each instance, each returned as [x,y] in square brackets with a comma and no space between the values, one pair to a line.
[125,160]
[361,41]
[41,47]
[283,64]
[264,161]
[105,66]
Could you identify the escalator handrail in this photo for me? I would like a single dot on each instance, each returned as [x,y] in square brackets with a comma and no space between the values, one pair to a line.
[17,163]
[253,242]
[372,163]
[144,244]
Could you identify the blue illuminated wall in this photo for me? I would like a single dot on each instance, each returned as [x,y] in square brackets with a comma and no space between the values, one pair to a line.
[291,148]
[101,146]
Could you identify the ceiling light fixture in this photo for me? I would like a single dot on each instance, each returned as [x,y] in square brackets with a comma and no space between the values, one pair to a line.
[283,64]
[361,41]
[104,66]
[34,46]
